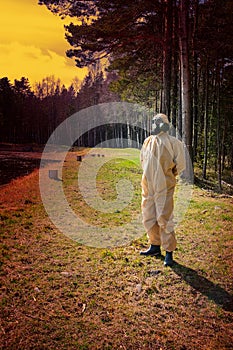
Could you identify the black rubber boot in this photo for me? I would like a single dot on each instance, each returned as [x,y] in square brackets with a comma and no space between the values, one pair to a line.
[168,259]
[152,251]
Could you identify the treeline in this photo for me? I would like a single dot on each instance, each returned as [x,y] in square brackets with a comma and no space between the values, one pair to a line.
[173,55]
[181,64]
[31,115]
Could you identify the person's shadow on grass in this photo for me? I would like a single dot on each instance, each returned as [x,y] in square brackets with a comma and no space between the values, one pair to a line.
[201,284]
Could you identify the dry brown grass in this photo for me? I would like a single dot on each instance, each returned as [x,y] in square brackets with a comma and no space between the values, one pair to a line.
[57,294]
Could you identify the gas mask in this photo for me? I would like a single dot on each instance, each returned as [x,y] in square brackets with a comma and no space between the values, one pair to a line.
[159,124]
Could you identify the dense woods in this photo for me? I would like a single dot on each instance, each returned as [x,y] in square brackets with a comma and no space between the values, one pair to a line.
[171,56]
[28,116]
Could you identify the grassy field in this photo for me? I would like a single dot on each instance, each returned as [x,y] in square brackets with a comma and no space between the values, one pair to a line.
[59,294]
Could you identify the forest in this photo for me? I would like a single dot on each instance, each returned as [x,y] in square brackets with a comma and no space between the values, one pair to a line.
[171,56]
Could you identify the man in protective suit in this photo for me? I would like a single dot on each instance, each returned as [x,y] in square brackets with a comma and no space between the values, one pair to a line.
[162,158]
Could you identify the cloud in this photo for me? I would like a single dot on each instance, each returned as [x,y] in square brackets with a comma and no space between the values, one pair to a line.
[32,43]
[19,60]
[28,23]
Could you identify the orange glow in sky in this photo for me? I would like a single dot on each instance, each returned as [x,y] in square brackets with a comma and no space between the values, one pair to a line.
[32,43]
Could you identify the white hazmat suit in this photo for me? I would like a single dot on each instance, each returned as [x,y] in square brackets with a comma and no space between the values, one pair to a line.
[162,158]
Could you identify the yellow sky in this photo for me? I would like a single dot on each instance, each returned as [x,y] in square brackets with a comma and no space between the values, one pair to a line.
[32,43]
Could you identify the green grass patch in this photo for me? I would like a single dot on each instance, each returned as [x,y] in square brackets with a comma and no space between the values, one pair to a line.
[117,166]
[59,294]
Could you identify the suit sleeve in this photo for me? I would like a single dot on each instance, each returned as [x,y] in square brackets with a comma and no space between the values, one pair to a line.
[143,150]
[179,156]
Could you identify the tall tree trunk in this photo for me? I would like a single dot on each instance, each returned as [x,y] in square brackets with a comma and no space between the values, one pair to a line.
[167,57]
[179,119]
[185,74]
[195,79]
[175,69]
[195,106]
[219,148]
[206,122]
